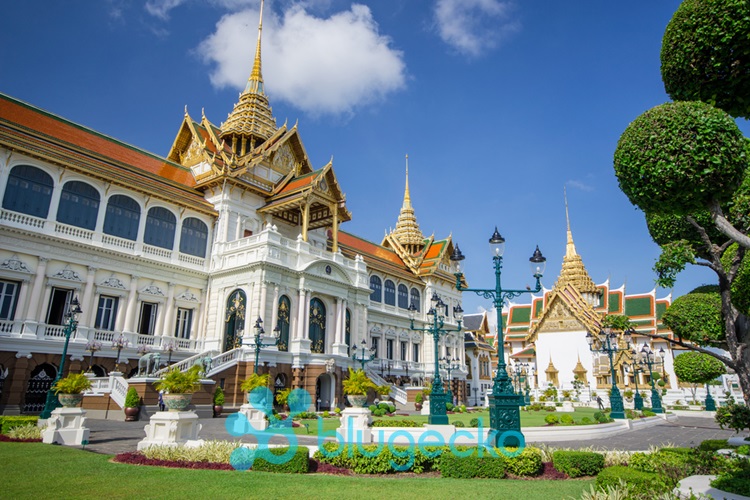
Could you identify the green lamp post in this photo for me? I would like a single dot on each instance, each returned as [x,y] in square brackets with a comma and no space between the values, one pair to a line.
[607,340]
[449,365]
[71,324]
[438,396]
[258,339]
[648,357]
[505,415]
[637,368]
[363,352]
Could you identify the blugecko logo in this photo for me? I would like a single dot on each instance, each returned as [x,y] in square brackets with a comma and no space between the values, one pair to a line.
[430,443]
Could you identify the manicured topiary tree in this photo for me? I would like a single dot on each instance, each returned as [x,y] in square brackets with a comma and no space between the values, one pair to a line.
[697,368]
[685,165]
[705,54]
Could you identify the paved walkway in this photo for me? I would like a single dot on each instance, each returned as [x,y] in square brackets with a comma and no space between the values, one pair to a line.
[112,437]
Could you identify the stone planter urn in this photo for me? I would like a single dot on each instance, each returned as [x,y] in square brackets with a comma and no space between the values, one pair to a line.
[177,402]
[357,400]
[131,414]
[70,400]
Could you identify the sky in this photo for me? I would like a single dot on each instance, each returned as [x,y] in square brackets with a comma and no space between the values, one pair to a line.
[500,106]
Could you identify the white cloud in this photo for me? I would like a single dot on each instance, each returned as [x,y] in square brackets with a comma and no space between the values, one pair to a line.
[580,185]
[320,65]
[161,8]
[473,27]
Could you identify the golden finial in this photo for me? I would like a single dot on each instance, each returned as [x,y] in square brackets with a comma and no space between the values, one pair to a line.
[255,82]
[186,113]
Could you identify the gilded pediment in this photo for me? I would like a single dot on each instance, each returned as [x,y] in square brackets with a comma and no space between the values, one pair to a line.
[565,311]
[559,319]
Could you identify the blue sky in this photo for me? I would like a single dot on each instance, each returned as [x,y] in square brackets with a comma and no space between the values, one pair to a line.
[499,105]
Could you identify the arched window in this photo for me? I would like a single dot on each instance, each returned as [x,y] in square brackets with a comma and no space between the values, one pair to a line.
[415,299]
[403,297]
[79,205]
[390,293]
[234,319]
[194,237]
[160,224]
[283,322]
[377,289]
[123,215]
[317,326]
[29,191]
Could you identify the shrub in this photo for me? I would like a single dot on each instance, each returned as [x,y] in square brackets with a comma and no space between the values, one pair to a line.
[472,466]
[179,382]
[11,422]
[527,463]
[132,400]
[640,484]
[298,464]
[219,397]
[743,450]
[209,451]
[378,459]
[391,408]
[378,412]
[734,482]
[734,416]
[552,419]
[713,444]
[419,398]
[598,415]
[25,432]
[396,423]
[474,422]
[565,419]
[648,413]
[337,411]
[585,420]
[578,463]
[305,415]
[449,406]
[384,406]
[326,414]
[459,423]
[373,408]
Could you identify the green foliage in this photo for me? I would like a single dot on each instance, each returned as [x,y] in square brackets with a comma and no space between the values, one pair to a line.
[741,283]
[358,383]
[697,368]
[179,382]
[648,413]
[379,412]
[298,464]
[552,419]
[419,398]
[378,459]
[254,381]
[566,419]
[458,423]
[680,157]
[640,484]
[382,390]
[743,450]
[619,492]
[737,482]
[30,431]
[705,54]
[396,423]
[734,416]
[7,423]
[696,317]
[627,393]
[528,463]
[74,383]
[449,406]
[209,451]
[474,422]
[132,399]
[472,466]
[282,397]
[219,397]
[578,463]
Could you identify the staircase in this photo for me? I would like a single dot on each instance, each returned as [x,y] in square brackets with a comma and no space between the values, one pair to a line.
[398,394]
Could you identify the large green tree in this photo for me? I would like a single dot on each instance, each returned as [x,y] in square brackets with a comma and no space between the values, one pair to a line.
[685,164]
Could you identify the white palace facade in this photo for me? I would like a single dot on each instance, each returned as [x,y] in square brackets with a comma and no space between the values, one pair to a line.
[182,255]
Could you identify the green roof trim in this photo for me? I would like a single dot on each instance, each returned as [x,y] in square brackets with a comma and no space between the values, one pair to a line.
[638,306]
[661,308]
[520,314]
[615,302]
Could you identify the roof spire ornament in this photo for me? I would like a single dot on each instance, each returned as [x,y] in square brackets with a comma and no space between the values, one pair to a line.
[573,271]
[252,117]
[407,231]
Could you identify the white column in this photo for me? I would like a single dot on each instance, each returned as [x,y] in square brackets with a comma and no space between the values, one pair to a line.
[275,307]
[37,290]
[262,307]
[306,331]
[86,302]
[54,202]
[300,330]
[130,310]
[200,312]
[23,295]
[141,228]
[167,329]
[249,316]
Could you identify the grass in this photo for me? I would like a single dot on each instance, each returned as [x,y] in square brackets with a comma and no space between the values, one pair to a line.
[31,470]
[528,419]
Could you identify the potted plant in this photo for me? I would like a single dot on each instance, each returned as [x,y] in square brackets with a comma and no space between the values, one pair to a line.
[218,401]
[418,401]
[179,386]
[628,395]
[251,384]
[132,405]
[384,391]
[282,398]
[70,389]
[356,387]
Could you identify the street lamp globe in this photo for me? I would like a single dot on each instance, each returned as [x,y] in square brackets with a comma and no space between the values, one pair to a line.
[497,244]
[538,263]
[458,260]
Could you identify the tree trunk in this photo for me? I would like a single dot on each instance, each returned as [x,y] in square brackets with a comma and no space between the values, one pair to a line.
[737,328]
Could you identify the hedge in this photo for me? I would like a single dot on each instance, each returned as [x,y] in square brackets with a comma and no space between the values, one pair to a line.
[299,463]
[578,463]
[488,467]
[640,484]
[396,423]
[11,422]
[714,445]
[527,463]
[379,459]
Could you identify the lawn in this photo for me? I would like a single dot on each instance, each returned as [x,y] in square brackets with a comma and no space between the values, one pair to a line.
[32,470]
[528,419]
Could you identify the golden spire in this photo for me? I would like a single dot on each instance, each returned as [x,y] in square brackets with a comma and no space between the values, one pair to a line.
[251,121]
[573,271]
[407,231]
